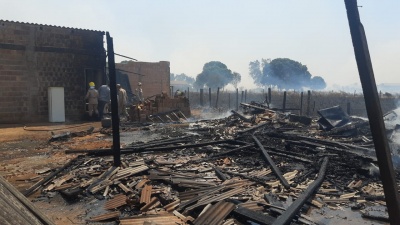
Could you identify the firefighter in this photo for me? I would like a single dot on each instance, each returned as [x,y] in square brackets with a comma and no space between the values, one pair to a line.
[122,101]
[92,96]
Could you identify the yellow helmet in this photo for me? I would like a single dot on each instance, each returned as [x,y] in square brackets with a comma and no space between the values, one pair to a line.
[91,84]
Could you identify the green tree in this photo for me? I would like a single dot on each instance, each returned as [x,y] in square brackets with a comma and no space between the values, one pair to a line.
[216,74]
[317,82]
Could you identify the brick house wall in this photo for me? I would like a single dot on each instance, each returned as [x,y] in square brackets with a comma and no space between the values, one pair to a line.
[34,57]
[155,79]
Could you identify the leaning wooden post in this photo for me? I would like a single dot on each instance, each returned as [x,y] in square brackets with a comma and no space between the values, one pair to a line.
[284,101]
[374,112]
[209,96]
[269,95]
[308,102]
[301,103]
[216,101]
[114,102]
[201,97]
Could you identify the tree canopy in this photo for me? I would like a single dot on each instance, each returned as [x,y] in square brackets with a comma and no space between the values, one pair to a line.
[284,73]
[216,74]
[181,77]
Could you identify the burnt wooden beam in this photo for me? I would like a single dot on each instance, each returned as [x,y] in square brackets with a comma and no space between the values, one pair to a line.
[295,207]
[114,102]
[274,168]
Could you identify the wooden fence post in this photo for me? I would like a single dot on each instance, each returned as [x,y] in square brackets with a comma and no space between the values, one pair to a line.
[308,102]
[269,95]
[237,99]
[201,97]
[209,96]
[284,101]
[301,103]
[229,101]
[216,102]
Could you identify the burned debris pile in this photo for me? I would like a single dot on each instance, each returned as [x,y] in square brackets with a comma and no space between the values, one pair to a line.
[265,167]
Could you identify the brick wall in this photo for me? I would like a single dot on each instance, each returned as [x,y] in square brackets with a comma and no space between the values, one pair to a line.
[34,57]
[155,79]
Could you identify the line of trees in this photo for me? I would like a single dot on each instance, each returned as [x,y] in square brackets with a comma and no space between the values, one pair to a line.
[282,73]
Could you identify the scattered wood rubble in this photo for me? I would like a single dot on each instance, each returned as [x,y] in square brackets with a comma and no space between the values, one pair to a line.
[260,166]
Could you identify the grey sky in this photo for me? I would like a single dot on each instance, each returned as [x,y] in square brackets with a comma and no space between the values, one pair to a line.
[235,32]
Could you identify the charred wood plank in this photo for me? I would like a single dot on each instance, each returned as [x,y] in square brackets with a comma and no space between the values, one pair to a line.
[253,216]
[253,128]
[295,207]
[284,154]
[241,116]
[222,154]
[20,208]
[274,168]
[367,153]
[220,174]
[259,180]
[105,152]
[32,189]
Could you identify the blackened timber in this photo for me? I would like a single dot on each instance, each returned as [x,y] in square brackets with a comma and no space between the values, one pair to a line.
[10,194]
[253,128]
[291,157]
[114,101]
[374,111]
[162,141]
[366,153]
[105,152]
[183,146]
[240,116]
[274,168]
[253,216]
[32,189]
[259,180]
[222,154]
[220,174]
[295,207]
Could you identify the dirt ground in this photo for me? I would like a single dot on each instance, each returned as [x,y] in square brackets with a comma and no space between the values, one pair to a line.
[27,151]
